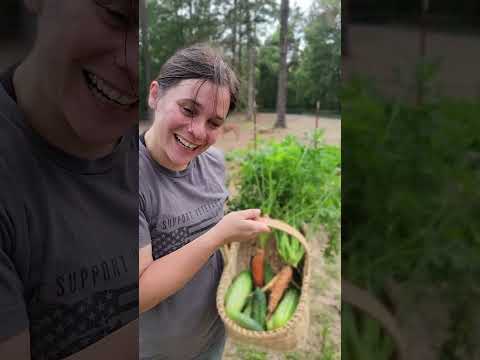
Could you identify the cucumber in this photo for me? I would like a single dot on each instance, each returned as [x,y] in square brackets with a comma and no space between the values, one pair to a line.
[284,310]
[259,307]
[247,310]
[237,293]
[246,322]
[268,273]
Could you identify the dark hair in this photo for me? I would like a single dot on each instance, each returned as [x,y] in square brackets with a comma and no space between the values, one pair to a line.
[202,62]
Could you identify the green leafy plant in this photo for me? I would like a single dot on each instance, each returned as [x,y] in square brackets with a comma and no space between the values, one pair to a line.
[292,181]
[411,200]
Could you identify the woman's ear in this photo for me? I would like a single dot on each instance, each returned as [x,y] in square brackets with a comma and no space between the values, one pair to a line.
[153,95]
[33,6]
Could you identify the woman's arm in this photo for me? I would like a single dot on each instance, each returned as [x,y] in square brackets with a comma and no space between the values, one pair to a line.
[161,278]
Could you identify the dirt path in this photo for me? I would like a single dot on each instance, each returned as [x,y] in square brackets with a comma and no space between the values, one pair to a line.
[297,125]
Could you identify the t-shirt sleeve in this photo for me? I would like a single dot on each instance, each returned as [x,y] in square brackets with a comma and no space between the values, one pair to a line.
[144,238]
[13,312]
[219,165]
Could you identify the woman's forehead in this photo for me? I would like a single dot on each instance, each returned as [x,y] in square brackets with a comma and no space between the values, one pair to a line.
[203,92]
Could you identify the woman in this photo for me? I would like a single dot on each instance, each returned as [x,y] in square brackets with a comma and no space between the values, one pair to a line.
[182,197]
[68,185]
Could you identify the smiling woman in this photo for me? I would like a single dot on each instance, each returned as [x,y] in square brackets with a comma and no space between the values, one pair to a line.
[68,186]
[182,197]
[187,121]
[81,83]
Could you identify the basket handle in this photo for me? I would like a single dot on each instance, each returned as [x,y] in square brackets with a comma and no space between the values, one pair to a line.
[280,225]
[273,223]
[226,252]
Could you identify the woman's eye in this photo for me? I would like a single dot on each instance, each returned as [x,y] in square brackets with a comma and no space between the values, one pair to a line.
[188,111]
[214,125]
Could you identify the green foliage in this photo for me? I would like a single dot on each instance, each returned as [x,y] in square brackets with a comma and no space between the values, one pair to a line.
[411,200]
[412,190]
[363,338]
[293,182]
[290,249]
[319,76]
[313,69]
[314,46]
[248,353]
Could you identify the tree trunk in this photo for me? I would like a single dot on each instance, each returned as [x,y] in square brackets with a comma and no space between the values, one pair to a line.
[282,75]
[239,52]
[234,34]
[251,65]
[145,43]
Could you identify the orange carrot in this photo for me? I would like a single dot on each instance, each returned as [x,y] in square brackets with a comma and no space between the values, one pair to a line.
[281,284]
[257,267]
[270,284]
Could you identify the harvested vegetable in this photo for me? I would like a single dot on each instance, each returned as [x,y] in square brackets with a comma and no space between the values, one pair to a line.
[247,310]
[267,273]
[279,287]
[270,284]
[290,249]
[285,309]
[237,293]
[257,265]
[246,322]
[260,307]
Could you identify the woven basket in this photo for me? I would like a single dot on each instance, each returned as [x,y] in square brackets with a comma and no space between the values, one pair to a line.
[237,258]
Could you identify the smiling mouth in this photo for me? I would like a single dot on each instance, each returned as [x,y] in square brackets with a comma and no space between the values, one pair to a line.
[101,89]
[186,144]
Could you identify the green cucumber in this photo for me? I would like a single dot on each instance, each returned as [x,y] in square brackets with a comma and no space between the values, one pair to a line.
[246,322]
[284,310]
[267,273]
[237,293]
[247,310]
[259,307]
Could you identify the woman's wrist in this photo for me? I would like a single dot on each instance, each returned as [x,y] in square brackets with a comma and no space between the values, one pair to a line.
[213,238]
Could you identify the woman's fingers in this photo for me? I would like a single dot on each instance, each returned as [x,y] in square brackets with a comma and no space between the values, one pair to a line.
[258,226]
[249,214]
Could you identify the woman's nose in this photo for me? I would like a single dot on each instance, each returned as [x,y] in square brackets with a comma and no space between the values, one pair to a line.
[198,129]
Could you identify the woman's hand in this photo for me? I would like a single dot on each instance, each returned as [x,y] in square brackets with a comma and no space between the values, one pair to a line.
[239,226]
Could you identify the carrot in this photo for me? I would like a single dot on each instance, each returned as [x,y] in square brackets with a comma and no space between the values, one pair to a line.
[267,287]
[257,267]
[270,284]
[281,284]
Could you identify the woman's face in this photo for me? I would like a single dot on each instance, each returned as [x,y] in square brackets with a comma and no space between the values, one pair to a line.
[188,120]
[86,55]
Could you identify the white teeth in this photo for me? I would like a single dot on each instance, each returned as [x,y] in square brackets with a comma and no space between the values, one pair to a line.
[185,143]
[101,87]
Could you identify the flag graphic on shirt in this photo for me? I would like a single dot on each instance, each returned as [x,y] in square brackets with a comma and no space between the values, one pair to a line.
[58,330]
[163,242]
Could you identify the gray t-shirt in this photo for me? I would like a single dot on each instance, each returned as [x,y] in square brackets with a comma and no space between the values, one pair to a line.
[175,208]
[68,265]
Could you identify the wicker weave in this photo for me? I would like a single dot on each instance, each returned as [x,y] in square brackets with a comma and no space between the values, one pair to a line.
[294,333]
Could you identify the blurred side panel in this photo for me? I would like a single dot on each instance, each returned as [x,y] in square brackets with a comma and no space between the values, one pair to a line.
[411,169]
